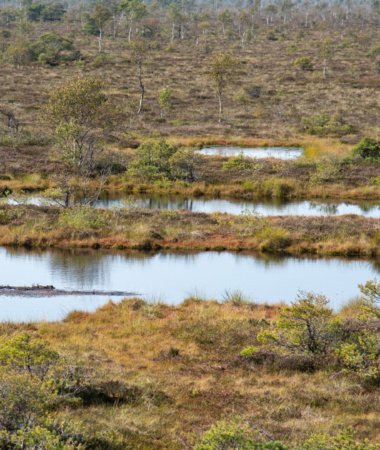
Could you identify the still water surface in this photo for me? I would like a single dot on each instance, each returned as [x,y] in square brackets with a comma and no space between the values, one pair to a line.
[254,152]
[170,278]
[262,207]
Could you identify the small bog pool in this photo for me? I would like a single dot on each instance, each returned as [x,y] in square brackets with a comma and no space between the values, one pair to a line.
[254,152]
[207,205]
[170,278]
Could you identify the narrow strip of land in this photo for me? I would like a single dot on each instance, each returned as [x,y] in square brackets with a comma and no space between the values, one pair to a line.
[51,291]
[149,230]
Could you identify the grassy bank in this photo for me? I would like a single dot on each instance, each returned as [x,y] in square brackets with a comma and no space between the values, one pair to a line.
[222,177]
[281,189]
[41,227]
[155,376]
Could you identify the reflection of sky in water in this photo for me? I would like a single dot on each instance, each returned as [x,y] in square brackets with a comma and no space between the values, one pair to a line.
[18,309]
[171,278]
[263,208]
[255,152]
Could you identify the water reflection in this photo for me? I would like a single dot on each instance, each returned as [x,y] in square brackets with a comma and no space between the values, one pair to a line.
[206,205]
[235,207]
[171,278]
[254,152]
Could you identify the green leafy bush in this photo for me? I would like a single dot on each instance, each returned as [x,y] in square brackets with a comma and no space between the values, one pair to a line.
[152,161]
[308,336]
[23,354]
[238,435]
[277,188]
[157,161]
[367,149]
[23,400]
[52,49]
[38,437]
[344,440]
[82,218]
[359,353]
[325,125]
[49,12]
[249,351]
[326,170]
[19,53]
[304,63]
[183,164]
[306,327]
[164,98]
[241,163]
[274,239]
[235,435]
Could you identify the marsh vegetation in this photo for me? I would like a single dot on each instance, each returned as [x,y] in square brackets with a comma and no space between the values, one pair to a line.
[239,142]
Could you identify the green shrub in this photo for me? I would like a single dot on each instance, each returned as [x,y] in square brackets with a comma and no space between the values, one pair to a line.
[271,36]
[90,26]
[374,50]
[52,49]
[342,441]
[371,298]
[152,161]
[101,59]
[273,239]
[242,97]
[164,99]
[277,188]
[375,181]
[326,170]
[5,34]
[23,354]
[184,163]
[249,351]
[37,437]
[306,327]
[49,12]
[23,401]
[360,356]
[235,435]
[325,125]
[367,149]
[19,53]
[304,63]
[241,163]
[82,218]
[359,353]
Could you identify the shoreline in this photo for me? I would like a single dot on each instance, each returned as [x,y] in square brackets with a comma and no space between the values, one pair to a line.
[148,230]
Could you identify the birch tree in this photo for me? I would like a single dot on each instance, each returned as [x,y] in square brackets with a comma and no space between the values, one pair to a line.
[139,50]
[101,16]
[222,71]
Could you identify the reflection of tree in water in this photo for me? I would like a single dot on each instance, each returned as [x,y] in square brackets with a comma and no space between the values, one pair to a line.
[368,207]
[148,202]
[376,265]
[264,259]
[85,269]
[89,269]
[329,209]
[186,257]
[171,203]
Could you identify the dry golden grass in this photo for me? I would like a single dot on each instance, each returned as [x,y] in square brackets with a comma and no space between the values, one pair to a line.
[150,230]
[204,378]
